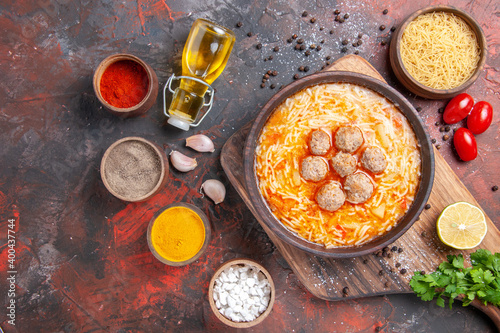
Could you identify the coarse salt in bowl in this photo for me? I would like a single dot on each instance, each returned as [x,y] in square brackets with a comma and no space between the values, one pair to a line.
[241,293]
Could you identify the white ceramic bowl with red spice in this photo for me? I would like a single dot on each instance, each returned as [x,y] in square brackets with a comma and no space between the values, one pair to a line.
[150,95]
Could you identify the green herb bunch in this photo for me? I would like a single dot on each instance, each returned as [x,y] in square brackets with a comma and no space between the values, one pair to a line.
[481,281]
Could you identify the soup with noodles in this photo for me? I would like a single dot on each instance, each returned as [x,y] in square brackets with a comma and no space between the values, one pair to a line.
[338,164]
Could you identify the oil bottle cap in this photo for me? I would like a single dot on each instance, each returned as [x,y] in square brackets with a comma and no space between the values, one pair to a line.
[179,123]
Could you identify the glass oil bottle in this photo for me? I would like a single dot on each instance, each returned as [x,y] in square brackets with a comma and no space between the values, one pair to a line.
[205,55]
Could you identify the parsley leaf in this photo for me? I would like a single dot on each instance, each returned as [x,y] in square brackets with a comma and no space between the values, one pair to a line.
[452,278]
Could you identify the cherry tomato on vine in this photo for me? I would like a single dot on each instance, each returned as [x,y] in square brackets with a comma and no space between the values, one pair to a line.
[465,144]
[458,108]
[480,117]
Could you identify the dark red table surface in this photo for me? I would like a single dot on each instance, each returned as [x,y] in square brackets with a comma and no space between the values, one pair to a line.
[82,260]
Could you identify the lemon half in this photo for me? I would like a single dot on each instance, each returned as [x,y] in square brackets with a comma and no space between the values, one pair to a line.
[461,226]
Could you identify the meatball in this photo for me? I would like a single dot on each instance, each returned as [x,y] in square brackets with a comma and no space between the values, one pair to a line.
[330,197]
[314,168]
[374,160]
[319,143]
[344,164]
[348,139]
[358,188]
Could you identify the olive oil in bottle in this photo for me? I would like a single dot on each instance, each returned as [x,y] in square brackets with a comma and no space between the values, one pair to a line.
[205,55]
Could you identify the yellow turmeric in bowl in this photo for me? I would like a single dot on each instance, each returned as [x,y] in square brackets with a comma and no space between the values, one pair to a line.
[178,234]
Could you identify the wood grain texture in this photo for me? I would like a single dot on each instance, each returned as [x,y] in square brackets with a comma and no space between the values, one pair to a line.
[370,275]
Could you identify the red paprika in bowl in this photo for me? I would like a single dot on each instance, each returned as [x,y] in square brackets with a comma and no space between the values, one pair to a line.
[125,85]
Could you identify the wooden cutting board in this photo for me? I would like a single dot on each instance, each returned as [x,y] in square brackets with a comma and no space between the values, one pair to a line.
[370,275]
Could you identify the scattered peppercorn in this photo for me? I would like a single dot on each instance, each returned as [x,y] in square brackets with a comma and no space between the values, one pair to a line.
[276,49]
[304,14]
[294,36]
[302,47]
[356,52]
[386,284]
[301,68]
[384,254]
[272,86]
[447,128]
[393,28]
[306,69]
[269,72]
[322,41]
[378,329]
[307,53]
[418,109]
[345,290]
[365,261]
[427,206]
[328,58]
[389,255]
[323,67]
[382,27]
[266,76]
[381,272]
[379,254]
[438,147]
[337,18]
[360,35]
[437,123]
[440,110]
[422,272]
[250,34]
[321,28]
[346,16]
[313,20]
[289,40]
[239,24]
[331,32]
[336,12]
[264,80]
[494,188]
[343,50]
[394,248]
[441,129]
[297,47]
[385,12]
[313,46]
[446,137]
[383,43]
[385,249]
[359,42]
[300,41]
[296,76]
[403,271]
[262,85]
[327,63]
[345,42]
[433,140]
[318,48]
[400,250]
[274,73]
[341,20]
[398,265]
[424,234]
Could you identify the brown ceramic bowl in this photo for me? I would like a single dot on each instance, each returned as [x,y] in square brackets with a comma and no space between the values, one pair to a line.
[413,85]
[243,324]
[427,166]
[147,102]
[206,225]
[118,178]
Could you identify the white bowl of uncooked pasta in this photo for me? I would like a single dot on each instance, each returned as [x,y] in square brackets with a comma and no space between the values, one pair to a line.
[438,52]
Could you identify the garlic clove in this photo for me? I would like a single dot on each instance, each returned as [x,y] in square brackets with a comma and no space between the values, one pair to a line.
[182,162]
[201,143]
[214,189]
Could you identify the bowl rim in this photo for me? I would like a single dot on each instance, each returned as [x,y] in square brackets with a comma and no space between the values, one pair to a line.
[427,165]
[163,168]
[206,224]
[101,68]
[263,315]
[413,85]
